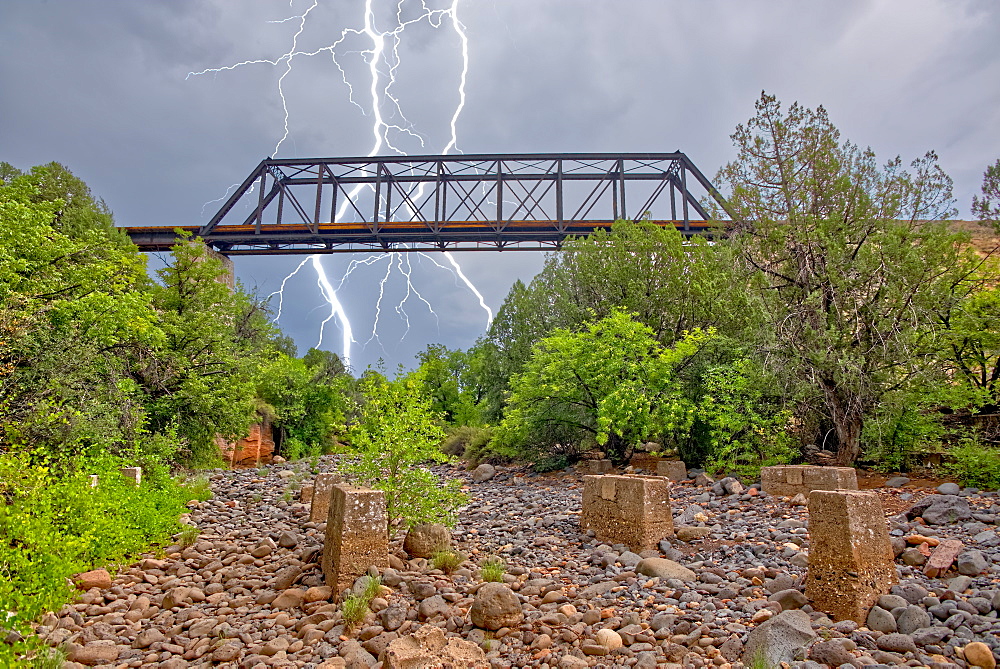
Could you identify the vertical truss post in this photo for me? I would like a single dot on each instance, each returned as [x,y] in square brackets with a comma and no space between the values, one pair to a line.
[621,187]
[260,200]
[281,204]
[333,200]
[319,197]
[560,224]
[388,195]
[437,196]
[499,195]
[684,199]
[673,199]
[378,195]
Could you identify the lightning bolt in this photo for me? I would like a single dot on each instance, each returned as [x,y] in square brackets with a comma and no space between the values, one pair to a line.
[382,59]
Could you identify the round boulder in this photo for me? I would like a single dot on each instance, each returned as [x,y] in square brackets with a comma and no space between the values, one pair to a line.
[483,472]
[426,539]
[495,606]
[664,569]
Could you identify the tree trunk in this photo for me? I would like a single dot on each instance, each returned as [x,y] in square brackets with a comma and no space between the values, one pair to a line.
[847,422]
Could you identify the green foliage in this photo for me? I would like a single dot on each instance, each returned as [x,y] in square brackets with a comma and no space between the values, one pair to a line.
[201,380]
[466,441]
[612,381]
[353,610]
[666,283]
[447,561]
[445,380]
[971,342]
[373,587]
[354,607]
[852,262]
[745,429]
[393,439]
[306,402]
[54,524]
[975,464]
[987,207]
[907,425]
[492,570]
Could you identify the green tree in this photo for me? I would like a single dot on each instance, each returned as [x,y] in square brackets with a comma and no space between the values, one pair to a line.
[987,207]
[305,404]
[394,438]
[852,261]
[612,382]
[69,307]
[201,381]
[446,382]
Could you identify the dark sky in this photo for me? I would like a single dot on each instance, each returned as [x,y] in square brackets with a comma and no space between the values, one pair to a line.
[102,87]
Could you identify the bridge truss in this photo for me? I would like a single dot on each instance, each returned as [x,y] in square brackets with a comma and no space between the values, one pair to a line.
[459,202]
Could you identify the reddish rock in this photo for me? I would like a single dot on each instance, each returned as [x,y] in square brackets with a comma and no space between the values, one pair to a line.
[942,557]
[98,578]
[256,447]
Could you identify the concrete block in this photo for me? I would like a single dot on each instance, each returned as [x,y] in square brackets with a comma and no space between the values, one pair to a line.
[790,480]
[356,536]
[675,470]
[631,510]
[850,555]
[321,494]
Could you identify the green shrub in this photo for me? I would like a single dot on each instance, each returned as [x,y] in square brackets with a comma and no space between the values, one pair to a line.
[373,588]
[975,464]
[492,569]
[353,610]
[551,463]
[447,561]
[55,524]
[465,440]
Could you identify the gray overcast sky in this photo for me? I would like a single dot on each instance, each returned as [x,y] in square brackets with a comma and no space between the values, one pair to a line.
[101,86]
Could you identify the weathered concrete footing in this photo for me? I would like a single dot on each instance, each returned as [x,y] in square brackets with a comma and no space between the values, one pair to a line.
[790,480]
[850,556]
[356,537]
[631,510]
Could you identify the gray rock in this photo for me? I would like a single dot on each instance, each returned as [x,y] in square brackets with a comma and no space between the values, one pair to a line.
[897,482]
[483,473]
[495,606]
[910,591]
[789,599]
[665,569]
[831,653]
[912,619]
[778,639]
[949,489]
[890,602]
[959,583]
[941,509]
[629,559]
[972,563]
[896,643]
[930,635]
[426,539]
[432,606]
[392,618]
[881,620]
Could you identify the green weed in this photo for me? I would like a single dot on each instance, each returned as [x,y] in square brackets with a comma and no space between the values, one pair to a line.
[447,561]
[492,569]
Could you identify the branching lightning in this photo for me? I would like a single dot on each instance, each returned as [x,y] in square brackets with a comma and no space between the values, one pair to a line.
[383,60]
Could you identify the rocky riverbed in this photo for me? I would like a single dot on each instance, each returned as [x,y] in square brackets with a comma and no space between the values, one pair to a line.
[248,591]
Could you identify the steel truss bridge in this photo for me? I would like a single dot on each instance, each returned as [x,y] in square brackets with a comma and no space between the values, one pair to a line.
[457,202]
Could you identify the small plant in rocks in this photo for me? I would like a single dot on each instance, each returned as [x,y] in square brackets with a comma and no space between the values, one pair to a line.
[187,536]
[373,588]
[447,561]
[492,569]
[353,610]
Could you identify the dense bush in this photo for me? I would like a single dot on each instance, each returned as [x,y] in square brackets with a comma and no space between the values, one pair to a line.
[54,524]
[975,464]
